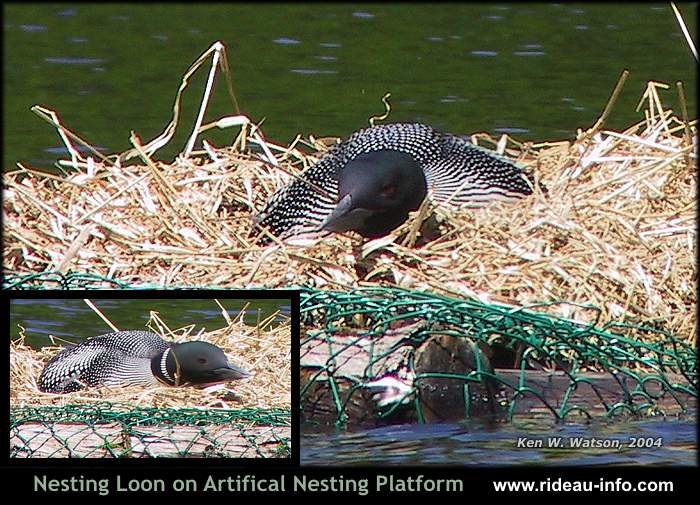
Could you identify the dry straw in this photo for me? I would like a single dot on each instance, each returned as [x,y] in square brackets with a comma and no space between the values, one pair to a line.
[616,229]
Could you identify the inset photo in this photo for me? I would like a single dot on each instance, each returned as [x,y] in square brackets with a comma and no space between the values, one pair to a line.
[397,377]
[110,377]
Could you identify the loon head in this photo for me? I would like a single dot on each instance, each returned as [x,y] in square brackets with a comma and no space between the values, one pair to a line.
[199,364]
[377,190]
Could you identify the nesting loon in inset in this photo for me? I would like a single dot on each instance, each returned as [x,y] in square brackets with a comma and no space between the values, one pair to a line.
[371,181]
[136,358]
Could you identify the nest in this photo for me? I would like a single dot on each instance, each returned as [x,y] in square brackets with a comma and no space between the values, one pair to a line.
[263,349]
[612,240]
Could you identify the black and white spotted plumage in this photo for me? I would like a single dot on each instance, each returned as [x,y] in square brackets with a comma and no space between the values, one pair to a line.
[456,172]
[136,358]
[113,359]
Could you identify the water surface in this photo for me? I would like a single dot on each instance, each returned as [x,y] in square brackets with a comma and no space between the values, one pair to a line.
[537,71]
[671,442]
[73,321]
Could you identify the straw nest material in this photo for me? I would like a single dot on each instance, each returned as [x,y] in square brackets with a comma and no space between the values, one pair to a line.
[616,229]
[263,349]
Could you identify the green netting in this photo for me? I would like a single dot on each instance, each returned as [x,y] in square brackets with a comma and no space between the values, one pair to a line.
[71,280]
[519,362]
[118,430]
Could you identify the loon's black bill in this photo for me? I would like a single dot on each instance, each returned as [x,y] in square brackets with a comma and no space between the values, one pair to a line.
[335,219]
[344,217]
[222,375]
[232,373]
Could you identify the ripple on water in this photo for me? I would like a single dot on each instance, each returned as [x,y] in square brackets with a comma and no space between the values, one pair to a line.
[283,41]
[474,443]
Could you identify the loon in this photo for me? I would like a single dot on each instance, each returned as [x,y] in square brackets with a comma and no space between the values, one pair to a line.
[136,358]
[372,180]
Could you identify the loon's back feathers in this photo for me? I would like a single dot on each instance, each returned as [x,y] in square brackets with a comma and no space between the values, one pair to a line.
[456,172]
[136,358]
[467,173]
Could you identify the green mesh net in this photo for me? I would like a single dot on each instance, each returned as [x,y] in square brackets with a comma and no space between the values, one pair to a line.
[373,355]
[71,280]
[384,354]
[118,430]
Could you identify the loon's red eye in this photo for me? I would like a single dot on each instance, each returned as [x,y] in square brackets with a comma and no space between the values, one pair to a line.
[388,190]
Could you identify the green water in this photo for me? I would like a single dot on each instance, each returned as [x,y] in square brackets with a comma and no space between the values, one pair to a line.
[73,321]
[538,71]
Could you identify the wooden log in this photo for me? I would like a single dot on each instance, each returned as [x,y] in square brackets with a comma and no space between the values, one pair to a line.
[542,396]
[594,392]
[66,440]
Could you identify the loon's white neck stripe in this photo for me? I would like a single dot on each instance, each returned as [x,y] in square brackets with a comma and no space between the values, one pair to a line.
[164,367]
